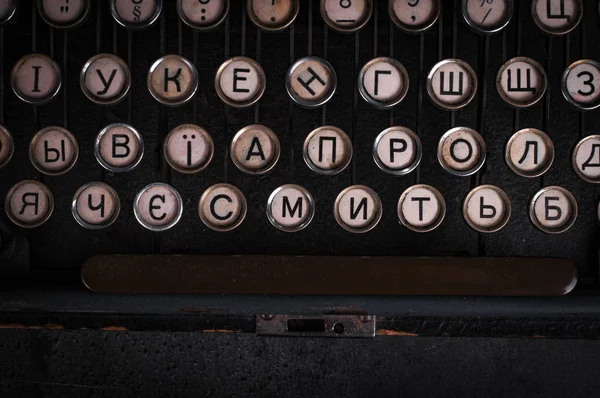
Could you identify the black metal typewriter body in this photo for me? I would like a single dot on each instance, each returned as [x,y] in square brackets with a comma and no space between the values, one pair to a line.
[64,268]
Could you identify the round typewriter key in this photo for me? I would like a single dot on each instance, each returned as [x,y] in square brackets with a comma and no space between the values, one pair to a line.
[557,17]
[397,150]
[29,204]
[383,82]
[202,15]
[135,14]
[95,205]
[529,152]
[586,159]
[119,147]
[311,82]
[158,207]
[222,207]
[357,209]
[461,151]
[240,82]
[290,208]
[553,210]
[346,16]
[421,208]
[36,79]
[7,10]
[327,150]
[581,84]
[521,82]
[188,148]
[414,16]
[255,149]
[53,150]
[172,80]
[7,146]
[273,15]
[486,209]
[487,16]
[63,14]
[452,84]
[105,79]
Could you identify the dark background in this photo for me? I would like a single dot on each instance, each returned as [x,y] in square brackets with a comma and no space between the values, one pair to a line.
[149,364]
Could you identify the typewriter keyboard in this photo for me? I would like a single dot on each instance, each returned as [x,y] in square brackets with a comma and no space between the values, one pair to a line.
[462,128]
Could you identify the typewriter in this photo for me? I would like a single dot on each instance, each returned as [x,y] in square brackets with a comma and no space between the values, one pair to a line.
[418,161]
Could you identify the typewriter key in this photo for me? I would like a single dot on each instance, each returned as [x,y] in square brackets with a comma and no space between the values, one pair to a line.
[7,10]
[255,149]
[451,84]
[383,82]
[461,151]
[311,82]
[172,80]
[273,15]
[557,17]
[119,147]
[203,15]
[63,14]
[487,16]
[188,148]
[327,150]
[553,210]
[290,208]
[486,209]
[95,205]
[36,79]
[397,150]
[357,209]
[158,207]
[586,159]
[529,153]
[29,204]
[521,82]
[135,14]
[105,79]
[7,146]
[240,82]
[53,150]
[346,16]
[581,84]
[421,208]
[222,207]
[414,16]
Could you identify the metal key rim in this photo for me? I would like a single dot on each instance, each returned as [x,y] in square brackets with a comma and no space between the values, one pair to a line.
[347,144]
[501,223]
[310,205]
[173,102]
[90,95]
[131,25]
[302,102]
[36,101]
[341,29]
[553,31]
[376,218]
[574,159]
[482,150]
[243,208]
[436,222]
[110,220]
[43,187]
[509,13]
[68,166]
[534,173]
[471,74]
[119,169]
[417,156]
[274,28]
[207,138]
[194,26]
[540,93]
[11,146]
[11,12]
[276,149]
[415,29]
[261,83]
[568,222]
[154,228]
[398,98]
[79,21]
[565,89]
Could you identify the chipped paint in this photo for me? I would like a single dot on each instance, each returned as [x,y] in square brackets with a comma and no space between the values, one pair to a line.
[387,332]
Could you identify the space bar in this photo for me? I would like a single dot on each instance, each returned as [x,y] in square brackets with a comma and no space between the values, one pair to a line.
[322,275]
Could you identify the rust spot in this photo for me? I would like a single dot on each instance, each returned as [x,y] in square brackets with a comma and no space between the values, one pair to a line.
[113,328]
[220,331]
[387,332]
[31,327]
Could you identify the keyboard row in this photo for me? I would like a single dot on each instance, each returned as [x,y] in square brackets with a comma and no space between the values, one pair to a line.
[222,207]
[555,17]
[311,81]
[328,150]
